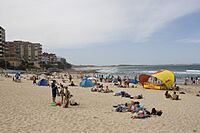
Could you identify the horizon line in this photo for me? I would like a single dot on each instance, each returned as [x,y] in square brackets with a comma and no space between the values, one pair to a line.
[90,65]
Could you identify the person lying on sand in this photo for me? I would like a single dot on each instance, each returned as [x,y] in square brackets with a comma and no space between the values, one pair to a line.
[100,90]
[138,96]
[121,108]
[181,92]
[156,112]
[73,103]
[134,106]
[94,89]
[123,94]
[141,114]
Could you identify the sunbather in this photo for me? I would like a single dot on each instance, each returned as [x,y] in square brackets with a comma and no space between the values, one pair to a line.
[123,94]
[167,95]
[100,90]
[121,108]
[141,115]
[175,96]
[94,90]
[73,103]
[135,106]
[156,112]
[138,96]
[107,90]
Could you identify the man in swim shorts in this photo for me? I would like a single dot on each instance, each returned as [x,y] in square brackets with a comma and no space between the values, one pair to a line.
[54,88]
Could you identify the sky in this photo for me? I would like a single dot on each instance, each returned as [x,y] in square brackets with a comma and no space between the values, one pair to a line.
[108,32]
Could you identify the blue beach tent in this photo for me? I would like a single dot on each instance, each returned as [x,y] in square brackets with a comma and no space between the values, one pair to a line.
[86,82]
[43,82]
[133,81]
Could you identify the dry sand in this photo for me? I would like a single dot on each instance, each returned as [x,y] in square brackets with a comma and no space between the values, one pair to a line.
[26,108]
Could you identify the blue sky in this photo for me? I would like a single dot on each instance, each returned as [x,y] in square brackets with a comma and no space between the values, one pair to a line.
[105,32]
[177,43]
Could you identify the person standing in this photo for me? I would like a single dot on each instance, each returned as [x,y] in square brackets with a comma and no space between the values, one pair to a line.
[70,77]
[67,97]
[62,94]
[54,88]
[34,80]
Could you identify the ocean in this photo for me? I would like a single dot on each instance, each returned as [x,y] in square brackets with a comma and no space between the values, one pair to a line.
[9,71]
[180,71]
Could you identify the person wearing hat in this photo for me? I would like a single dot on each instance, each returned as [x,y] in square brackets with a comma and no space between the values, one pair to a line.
[54,88]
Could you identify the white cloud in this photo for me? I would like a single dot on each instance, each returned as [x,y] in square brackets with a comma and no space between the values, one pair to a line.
[77,23]
[189,40]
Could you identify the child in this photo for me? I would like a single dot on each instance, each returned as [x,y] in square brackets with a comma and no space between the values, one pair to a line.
[67,97]
[62,93]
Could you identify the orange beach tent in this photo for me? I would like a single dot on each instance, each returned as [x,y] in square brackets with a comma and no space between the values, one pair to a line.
[165,76]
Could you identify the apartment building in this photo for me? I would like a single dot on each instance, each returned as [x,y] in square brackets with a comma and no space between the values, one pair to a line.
[49,58]
[13,54]
[61,59]
[2,42]
[26,51]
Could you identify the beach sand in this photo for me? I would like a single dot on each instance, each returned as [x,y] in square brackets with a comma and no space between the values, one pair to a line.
[25,107]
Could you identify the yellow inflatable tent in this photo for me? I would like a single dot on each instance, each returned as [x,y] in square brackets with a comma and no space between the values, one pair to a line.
[165,76]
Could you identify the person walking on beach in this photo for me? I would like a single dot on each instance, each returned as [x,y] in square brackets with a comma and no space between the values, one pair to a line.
[54,88]
[34,80]
[70,77]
